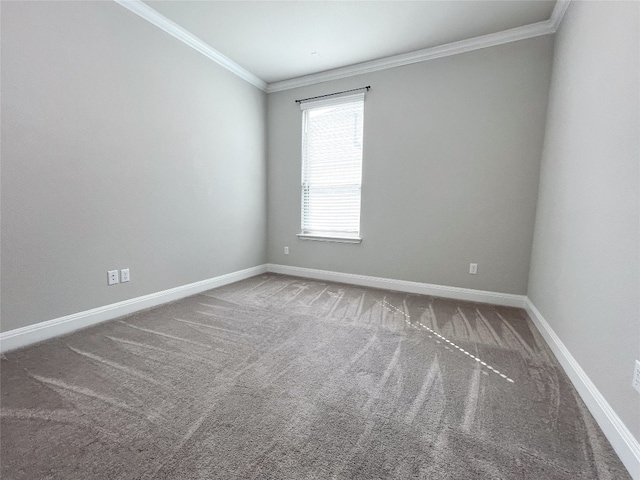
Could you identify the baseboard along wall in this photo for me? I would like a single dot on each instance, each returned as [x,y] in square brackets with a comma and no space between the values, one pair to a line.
[21,337]
[482,296]
[622,440]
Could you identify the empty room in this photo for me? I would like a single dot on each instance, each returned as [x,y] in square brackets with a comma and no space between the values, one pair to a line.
[320,240]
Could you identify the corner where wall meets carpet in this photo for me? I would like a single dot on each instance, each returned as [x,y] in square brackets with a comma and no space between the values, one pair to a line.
[288,378]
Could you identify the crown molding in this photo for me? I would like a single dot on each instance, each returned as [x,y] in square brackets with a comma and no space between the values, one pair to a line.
[156,18]
[558,13]
[446,50]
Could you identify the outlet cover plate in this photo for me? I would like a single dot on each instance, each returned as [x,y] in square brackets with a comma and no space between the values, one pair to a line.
[112,277]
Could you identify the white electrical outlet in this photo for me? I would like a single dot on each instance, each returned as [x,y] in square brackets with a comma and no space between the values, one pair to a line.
[286,250]
[112,277]
[473,268]
[636,376]
[124,275]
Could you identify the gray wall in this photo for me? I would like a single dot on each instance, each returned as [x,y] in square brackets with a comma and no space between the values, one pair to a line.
[121,147]
[452,151]
[584,269]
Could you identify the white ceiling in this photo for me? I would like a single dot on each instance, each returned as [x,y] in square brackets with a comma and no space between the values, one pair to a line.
[275,40]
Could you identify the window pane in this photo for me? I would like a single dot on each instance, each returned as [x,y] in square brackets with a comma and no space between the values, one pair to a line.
[331,209]
[332,168]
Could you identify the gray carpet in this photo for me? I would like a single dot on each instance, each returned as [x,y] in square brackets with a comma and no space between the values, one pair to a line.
[277,377]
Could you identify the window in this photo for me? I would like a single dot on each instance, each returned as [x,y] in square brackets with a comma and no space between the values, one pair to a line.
[332,168]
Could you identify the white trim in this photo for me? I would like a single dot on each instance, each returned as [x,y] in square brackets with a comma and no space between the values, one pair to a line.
[482,296]
[156,18]
[498,38]
[624,443]
[21,337]
[446,50]
[558,13]
[327,238]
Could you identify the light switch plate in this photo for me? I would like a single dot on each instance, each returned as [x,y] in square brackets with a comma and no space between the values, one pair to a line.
[636,376]
[124,275]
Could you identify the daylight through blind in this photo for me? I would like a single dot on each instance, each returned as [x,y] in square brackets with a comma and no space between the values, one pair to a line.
[332,166]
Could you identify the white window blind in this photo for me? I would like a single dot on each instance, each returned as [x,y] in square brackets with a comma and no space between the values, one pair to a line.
[332,167]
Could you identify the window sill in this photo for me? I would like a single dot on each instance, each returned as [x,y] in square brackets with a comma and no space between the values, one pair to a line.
[326,238]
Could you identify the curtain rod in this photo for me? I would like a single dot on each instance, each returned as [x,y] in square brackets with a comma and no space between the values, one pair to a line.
[332,94]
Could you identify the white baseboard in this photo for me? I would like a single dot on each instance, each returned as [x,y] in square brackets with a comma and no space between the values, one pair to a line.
[506,299]
[624,443]
[21,337]
[622,440]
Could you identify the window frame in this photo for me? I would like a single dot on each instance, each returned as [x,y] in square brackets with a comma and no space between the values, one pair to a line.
[328,236]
